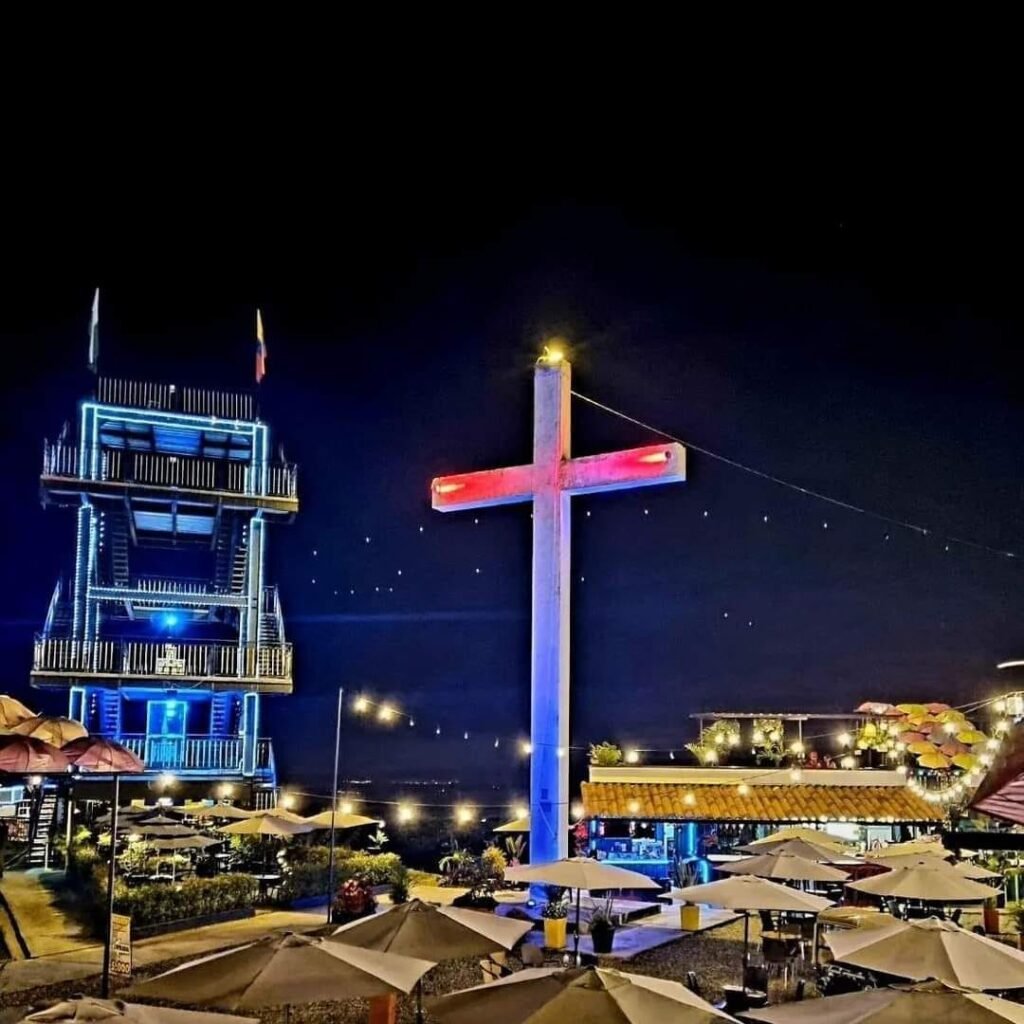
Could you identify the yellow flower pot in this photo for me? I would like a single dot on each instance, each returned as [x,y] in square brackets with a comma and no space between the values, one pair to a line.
[689,917]
[554,932]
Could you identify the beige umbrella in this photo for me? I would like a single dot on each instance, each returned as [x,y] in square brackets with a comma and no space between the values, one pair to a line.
[920,950]
[748,892]
[227,811]
[590,995]
[918,1004]
[279,812]
[580,873]
[931,880]
[55,729]
[515,825]
[81,1009]
[184,843]
[281,970]
[800,848]
[975,871]
[808,835]
[341,821]
[438,933]
[785,867]
[906,860]
[13,712]
[855,917]
[918,847]
[265,825]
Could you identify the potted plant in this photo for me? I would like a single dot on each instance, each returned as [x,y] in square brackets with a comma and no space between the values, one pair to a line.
[602,929]
[555,915]
[1017,916]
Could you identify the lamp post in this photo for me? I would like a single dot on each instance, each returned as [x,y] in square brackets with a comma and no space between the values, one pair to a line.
[334,803]
[105,983]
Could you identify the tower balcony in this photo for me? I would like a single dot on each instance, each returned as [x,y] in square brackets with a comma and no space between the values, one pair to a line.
[199,756]
[263,668]
[69,470]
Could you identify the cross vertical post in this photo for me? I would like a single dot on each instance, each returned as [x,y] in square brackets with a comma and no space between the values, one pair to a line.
[549,670]
[549,483]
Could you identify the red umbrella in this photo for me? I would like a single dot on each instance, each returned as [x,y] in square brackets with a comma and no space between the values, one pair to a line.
[25,755]
[95,754]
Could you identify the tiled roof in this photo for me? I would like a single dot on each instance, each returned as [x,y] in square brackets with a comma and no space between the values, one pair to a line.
[666,802]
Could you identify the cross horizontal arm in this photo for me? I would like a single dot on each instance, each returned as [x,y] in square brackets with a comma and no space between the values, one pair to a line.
[480,490]
[634,467]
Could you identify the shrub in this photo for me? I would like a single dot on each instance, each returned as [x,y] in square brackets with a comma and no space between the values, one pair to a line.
[605,755]
[315,855]
[493,863]
[1017,916]
[417,877]
[373,868]
[302,881]
[400,884]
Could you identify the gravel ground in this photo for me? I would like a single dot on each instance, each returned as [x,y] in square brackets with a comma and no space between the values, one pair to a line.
[713,956]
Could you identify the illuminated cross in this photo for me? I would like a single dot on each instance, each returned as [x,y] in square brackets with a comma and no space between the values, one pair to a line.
[549,482]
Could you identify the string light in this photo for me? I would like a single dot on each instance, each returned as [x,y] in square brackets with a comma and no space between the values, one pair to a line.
[576,810]
[406,813]
[845,739]
[520,811]
[385,712]
[463,815]
[346,807]
[361,704]
[632,756]
[526,748]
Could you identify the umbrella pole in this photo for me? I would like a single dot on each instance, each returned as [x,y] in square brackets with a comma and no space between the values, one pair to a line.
[105,981]
[334,804]
[419,1001]
[577,937]
[746,937]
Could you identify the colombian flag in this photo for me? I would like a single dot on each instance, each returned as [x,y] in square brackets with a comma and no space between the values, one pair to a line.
[261,349]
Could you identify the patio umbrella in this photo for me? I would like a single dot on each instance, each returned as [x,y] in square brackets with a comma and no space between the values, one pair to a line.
[800,848]
[919,847]
[157,819]
[748,892]
[914,1004]
[279,812]
[437,933]
[974,871]
[144,828]
[265,825]
[920,950]
[341,821]
[26,755]
[12,711]
[81,1009]
[580,873]
[515,825]
[593,995]
[227,811]
[184,843]
[95,754]
[55,729]
[936,761]
[930,880]
[785,867]
[809,835]
[284,969]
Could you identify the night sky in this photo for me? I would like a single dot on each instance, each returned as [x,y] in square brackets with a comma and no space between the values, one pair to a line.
[871,351]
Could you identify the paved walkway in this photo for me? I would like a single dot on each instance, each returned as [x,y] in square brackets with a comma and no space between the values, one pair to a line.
[61,953]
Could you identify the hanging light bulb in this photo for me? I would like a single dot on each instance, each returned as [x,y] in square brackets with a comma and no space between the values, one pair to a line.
[632,756]
[845,739]
[710,757]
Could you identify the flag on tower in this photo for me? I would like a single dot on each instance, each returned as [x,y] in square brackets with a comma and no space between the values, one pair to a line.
[94,334]
[261,348]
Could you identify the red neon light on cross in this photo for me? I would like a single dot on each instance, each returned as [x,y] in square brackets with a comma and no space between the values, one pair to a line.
[634,467]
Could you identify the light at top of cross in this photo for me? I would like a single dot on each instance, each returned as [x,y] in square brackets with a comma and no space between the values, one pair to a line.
[553,353]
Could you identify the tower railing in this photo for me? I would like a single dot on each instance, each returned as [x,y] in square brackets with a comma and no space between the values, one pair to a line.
[228,405]
[161,659]
[196,753]
[159,469]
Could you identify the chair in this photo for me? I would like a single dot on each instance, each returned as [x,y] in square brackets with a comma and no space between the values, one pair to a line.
[490,970]
[532,956]
[693,984]
[767,921]
[956,915]
[780,953]
[798,993]
[755,985]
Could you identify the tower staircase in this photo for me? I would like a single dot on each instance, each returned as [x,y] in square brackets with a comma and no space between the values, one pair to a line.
[39,846]
[119,569]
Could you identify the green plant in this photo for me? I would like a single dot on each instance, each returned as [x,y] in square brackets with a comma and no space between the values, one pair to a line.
[400,884]
[605,755]
[374,868]
[423,877]
[514,848]
[716,741]
[1017,916]
[555,910]
[493,864]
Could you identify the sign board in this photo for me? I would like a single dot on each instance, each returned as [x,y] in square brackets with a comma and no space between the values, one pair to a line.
[170,664]
[121,945]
